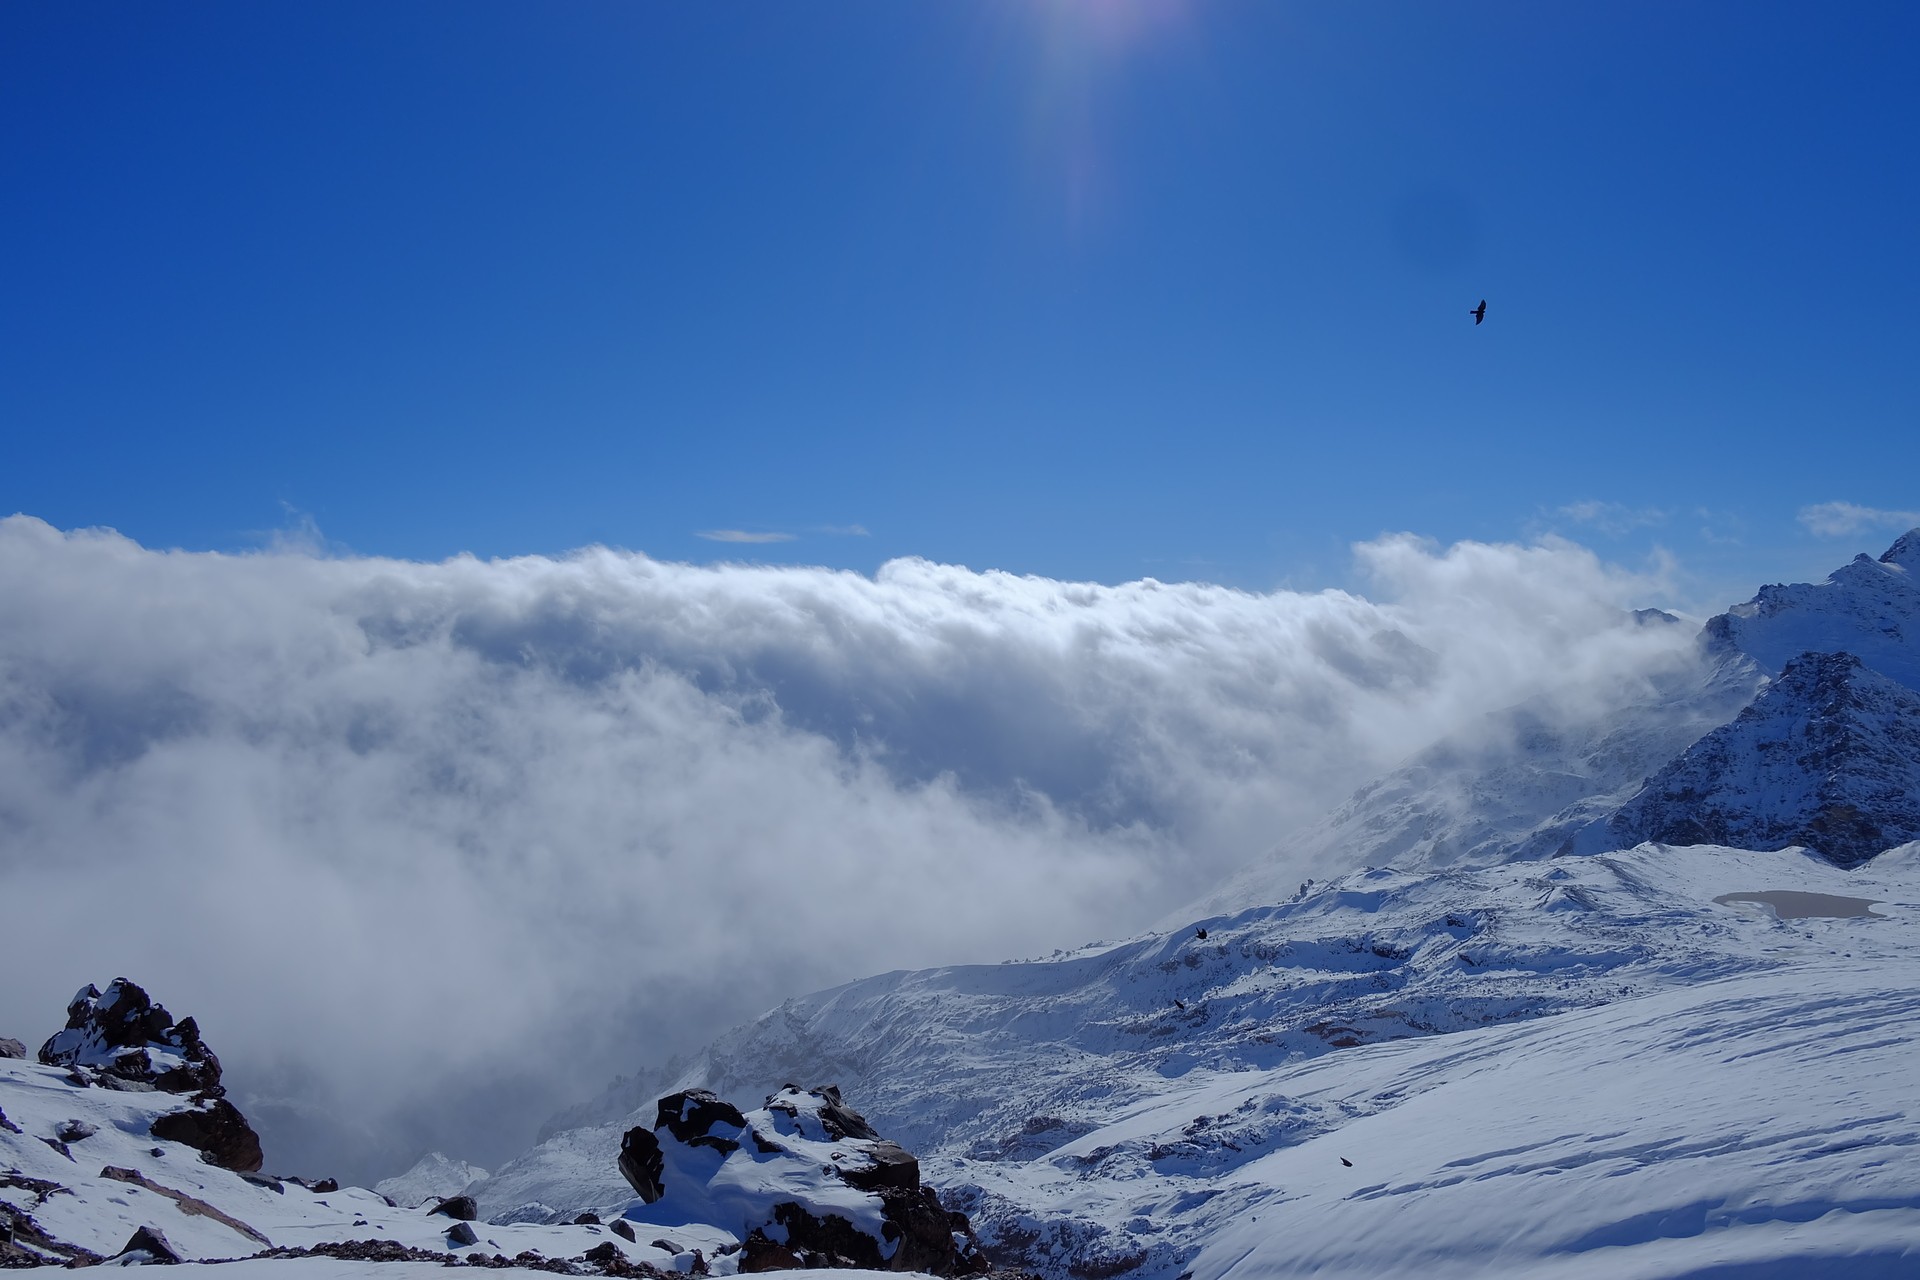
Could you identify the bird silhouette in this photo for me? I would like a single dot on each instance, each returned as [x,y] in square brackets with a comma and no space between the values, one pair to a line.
[1479,313]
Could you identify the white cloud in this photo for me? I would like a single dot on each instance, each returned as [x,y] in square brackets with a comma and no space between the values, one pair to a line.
[846,530]
[742,535]
[1844,519]
[463,839]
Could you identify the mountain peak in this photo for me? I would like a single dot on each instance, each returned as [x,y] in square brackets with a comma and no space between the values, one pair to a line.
[1905,551]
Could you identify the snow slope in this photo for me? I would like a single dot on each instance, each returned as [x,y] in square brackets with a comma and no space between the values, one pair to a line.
[103,1186]
[1132,1108]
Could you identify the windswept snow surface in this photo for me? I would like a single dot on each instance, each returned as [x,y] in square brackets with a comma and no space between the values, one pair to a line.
[1582,1066]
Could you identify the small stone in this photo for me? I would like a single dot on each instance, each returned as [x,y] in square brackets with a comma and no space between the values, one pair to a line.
[12,1049]
[74,1130]
[587,1220]
[461,1233]
[620,1228]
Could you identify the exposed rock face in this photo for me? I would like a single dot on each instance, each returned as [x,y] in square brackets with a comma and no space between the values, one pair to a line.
[1828,757]
[641,1163]
[12,1048]
[804,1182]
[121,1039]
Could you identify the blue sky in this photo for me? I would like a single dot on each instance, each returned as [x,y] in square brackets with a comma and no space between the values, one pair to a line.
[1084,288]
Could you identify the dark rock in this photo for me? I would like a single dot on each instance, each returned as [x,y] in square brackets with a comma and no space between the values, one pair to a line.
[691,1115]
[839,1119]
[762,1254]
[215,1128]
[74,1131]
[150,1240]
[828,1239]
[7,1124]
[587,1220]
[641,1163]
[461,1207]
[12,1048]
[931,1238]
[263,1180]
[620,1228]
[892,1167]
[59,1146]
[324,1186]
[462,1233]
[603,1253]
[665,1244]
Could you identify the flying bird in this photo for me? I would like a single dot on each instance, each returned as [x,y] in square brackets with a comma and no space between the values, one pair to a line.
[1479,313]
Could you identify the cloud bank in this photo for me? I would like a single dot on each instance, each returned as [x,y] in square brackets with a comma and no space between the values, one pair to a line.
[437,848]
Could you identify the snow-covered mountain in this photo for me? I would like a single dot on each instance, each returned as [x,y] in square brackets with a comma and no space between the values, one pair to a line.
[1869,608]
[1827,757]
[1538,780]
[433,1177]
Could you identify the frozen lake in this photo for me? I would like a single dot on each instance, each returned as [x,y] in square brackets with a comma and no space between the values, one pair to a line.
[1793,904]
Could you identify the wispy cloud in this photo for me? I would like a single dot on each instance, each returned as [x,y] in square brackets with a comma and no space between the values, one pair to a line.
[742,535]
[846,530]
[1843,519]
[1612,518]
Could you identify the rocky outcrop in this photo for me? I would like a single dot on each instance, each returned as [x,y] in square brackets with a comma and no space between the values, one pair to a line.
[120,1039]
[12,1048]
[803,1182]
[1827,757]
[120,1036]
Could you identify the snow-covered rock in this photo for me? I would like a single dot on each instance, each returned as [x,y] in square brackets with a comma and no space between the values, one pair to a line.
[433,1177]
[1827,757]
[121,1039]
[121,1036]
[804,1181]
